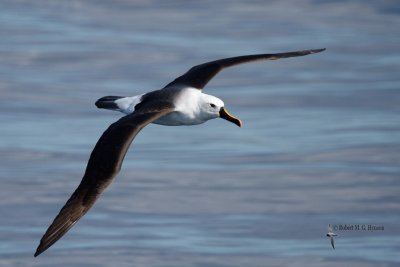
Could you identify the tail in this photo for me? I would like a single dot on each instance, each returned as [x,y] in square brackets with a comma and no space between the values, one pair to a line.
[108,102]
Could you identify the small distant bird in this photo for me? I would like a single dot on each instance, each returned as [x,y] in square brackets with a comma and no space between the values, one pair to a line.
[331,235]
[181,102]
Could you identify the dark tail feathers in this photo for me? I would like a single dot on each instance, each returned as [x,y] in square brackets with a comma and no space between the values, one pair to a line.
[108,102]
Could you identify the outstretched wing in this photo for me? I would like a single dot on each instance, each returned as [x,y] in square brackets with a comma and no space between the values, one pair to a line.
[332,242]
[198,76]
[104,163]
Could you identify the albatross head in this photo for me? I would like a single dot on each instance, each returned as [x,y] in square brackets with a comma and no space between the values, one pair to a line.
[212,107]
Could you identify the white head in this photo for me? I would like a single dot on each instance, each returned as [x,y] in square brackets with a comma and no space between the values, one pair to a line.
[212,107]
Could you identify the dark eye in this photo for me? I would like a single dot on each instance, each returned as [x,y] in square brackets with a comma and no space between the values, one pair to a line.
[212,105]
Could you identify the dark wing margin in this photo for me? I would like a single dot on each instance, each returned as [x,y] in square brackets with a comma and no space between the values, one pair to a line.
[104,163]
[198,76]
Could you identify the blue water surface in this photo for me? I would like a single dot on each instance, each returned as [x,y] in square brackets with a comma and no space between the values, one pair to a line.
[320,143]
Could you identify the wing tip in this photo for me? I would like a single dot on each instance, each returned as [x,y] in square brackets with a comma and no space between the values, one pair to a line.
[39,251]
[43,246]
[313,51]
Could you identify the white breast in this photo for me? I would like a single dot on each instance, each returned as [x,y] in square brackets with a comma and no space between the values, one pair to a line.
[187,109]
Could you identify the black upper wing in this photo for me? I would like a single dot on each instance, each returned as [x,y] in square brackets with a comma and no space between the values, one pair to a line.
[104,163]
[198,76]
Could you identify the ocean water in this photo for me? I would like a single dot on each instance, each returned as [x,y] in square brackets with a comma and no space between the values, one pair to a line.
[320,143]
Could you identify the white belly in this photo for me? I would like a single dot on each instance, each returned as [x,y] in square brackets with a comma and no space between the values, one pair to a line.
[177,118]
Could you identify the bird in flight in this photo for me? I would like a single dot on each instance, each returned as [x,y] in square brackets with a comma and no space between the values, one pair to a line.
[331,235]
[181,102]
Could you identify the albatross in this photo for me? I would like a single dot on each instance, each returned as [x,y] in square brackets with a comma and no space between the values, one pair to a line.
[181,102]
